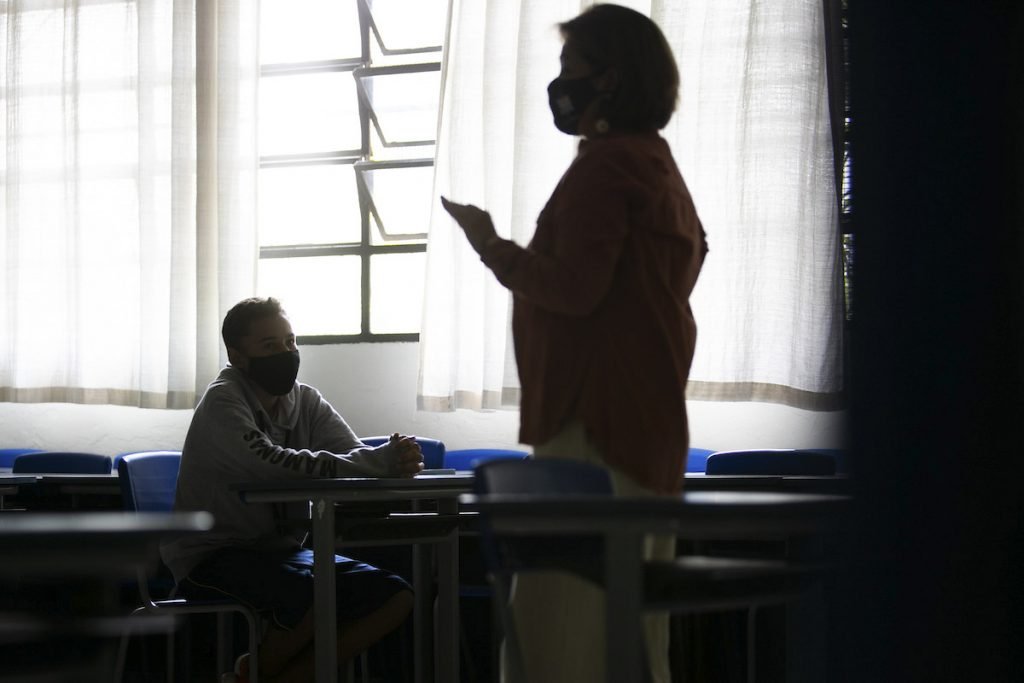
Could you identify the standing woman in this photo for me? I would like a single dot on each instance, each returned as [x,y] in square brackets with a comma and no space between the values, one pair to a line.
[603,331]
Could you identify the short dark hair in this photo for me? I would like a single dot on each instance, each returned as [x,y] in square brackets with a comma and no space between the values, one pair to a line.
[240,317]
[612,36]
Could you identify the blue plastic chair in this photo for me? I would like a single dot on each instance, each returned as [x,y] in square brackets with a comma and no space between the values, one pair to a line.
[8,455]
[553,476]
[505,556]
[117,458]
[696,459]
[433,450]
[782,462]
[468,458]
[54,462]
[148,484]
[149,480]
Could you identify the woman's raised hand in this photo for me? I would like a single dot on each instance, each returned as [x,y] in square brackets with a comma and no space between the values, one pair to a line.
[474,221]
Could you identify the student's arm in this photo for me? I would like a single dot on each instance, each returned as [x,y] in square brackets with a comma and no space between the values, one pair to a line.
[226,425]
[400,456]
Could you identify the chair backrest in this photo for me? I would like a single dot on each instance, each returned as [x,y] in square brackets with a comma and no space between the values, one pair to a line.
[149,480]
[53,462]
[544,476]
[8,455]
[541,476]
[468,458]
[433,450]
[697,459]
[783,462]
[505,555]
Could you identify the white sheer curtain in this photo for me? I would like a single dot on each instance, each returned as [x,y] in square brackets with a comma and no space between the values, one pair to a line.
[752,138]
[128,187]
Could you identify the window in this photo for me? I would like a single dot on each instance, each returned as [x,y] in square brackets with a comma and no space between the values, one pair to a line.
[348,114]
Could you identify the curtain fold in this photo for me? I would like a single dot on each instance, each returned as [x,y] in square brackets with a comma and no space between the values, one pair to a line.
[499,58]
[106,258]
[753,140]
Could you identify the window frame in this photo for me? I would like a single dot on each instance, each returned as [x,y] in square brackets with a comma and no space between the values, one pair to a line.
[359,67]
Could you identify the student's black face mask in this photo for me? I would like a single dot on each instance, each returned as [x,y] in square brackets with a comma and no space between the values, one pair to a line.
[568,99]
[275,374]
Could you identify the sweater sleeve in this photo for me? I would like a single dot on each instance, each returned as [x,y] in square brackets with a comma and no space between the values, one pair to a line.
[587,225]
[225,424]
[331,433]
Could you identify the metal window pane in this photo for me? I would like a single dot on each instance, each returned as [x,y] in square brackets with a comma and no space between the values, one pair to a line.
[405,105]
[308,113]
[407,24]
[308,205]
[320,293]
[308,30]
[402,198]
[396,292]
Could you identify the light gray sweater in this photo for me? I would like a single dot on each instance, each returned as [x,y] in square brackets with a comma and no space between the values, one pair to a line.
[233,439]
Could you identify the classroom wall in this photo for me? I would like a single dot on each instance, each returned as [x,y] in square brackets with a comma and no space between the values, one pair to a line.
[374,387]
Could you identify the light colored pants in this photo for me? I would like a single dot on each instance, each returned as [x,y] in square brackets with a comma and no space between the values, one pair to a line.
[560,618]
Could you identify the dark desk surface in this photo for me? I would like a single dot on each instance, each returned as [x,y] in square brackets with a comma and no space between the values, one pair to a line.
[839,484]
[100,544]
[60,479]
[695,514]
[52,492]
[357,488]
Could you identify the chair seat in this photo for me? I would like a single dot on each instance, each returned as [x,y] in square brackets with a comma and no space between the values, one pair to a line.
[701,583]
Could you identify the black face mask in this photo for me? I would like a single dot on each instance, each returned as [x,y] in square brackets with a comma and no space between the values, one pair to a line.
[275,374]
[568,99]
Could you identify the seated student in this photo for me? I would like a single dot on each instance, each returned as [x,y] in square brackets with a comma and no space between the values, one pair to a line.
[256,422]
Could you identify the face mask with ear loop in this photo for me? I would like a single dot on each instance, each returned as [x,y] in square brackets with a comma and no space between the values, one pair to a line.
[275,374]
[568,99]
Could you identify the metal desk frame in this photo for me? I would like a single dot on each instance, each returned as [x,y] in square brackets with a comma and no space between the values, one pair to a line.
[623,522]
[323,495]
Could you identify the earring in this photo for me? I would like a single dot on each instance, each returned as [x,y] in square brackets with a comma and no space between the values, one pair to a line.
[601,126]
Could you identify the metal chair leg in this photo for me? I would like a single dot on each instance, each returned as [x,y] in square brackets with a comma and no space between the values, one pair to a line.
[171,659]
[225,641]
[751,644]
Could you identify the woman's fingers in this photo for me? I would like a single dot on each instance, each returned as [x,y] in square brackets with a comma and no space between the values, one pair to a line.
[462,213]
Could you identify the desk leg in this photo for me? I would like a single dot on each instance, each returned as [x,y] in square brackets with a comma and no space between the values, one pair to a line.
[624,632]
[422,610]
[325,642]
[446,644]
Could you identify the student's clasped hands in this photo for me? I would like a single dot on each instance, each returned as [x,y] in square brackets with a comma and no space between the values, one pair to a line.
[408,457]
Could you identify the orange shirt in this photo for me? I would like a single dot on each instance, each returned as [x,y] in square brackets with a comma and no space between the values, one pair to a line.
[601,317]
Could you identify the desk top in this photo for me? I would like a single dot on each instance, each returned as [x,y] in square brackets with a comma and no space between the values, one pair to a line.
[8,479]
[698,481]
[696,514]
[431,486]
[6,476]
[87,543]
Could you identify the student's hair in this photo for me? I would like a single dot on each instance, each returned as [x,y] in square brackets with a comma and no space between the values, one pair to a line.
[611,36]
[240,317]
